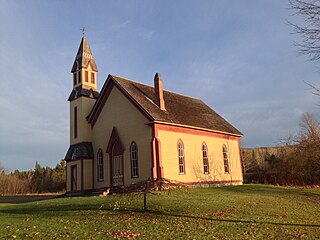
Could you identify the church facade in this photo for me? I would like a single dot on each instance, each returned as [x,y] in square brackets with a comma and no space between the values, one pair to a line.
[129,132]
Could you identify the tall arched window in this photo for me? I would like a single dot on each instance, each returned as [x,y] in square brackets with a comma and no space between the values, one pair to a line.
[225,159]
[205,158]
[181,157]
[100,165]
[134,160]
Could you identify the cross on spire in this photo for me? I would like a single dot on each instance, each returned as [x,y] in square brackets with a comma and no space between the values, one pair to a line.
[83,30]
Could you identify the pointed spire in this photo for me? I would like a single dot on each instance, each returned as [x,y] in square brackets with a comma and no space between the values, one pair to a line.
[84,57]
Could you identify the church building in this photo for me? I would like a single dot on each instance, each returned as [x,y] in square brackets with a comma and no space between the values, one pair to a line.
[129,132]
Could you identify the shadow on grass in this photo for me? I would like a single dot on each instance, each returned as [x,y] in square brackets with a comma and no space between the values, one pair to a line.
[26,198]
[271,189]
[57,210]
[159,213]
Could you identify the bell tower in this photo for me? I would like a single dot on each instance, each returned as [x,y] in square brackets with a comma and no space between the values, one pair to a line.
[84,94]
[84,69]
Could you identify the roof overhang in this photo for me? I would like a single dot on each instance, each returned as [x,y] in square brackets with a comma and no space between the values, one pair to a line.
[195,128]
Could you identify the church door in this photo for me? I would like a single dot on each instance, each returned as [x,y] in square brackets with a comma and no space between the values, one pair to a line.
[73,177]
[117,165]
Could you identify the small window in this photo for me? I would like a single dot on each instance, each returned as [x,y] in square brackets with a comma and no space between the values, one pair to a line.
[134,160]
[181,157]
[86,76]
[92,78]
[75,124]
[205,158]
[79,76]
[74,78]
[100,165]
[225,159]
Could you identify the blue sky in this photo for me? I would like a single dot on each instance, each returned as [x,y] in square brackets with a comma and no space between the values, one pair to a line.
[237,56]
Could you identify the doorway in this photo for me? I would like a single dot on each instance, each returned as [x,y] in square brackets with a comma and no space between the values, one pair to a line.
[117,165]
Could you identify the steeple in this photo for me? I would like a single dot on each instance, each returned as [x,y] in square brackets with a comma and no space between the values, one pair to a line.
[84,68]
[84,57]
[83,95]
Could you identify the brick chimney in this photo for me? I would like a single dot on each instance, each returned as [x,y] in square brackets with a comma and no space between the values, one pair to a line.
[159,100]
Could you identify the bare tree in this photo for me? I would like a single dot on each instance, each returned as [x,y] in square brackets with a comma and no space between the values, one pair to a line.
[1,168]
[309,10]
[309,31]
[309,129]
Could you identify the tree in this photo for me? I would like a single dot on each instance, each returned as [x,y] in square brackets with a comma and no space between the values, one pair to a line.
[309,129]
[309,10]
[1,168]
[309,31]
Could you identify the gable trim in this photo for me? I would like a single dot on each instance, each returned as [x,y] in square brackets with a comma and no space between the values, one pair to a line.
[97,107]
[114,138]
[104,95]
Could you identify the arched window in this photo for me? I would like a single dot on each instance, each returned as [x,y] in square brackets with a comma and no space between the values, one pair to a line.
[134,160]
[100,165]
[75,78]
[79,76]
[205,158]
[225,159]
[181,157]
[86,76]
[92,77]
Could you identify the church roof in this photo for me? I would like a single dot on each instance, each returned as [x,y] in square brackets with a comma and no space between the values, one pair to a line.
[79,151]
[180,109]
[84,57]
[80,91]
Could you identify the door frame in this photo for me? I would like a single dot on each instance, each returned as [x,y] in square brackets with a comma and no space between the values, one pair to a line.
[115,141]
[116,146]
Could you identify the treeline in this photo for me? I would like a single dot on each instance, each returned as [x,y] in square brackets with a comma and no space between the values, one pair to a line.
[37,180]
[295,162]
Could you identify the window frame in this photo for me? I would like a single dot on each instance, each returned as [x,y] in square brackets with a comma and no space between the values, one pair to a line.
[134,162]
[93,78]
[100,165]
[75,78]
[226,166]
[86,76]
[205,159]
[75,122]
[79,76]
[181,158]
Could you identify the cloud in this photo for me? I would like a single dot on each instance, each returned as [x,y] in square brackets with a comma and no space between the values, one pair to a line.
[236,57]
[120,25]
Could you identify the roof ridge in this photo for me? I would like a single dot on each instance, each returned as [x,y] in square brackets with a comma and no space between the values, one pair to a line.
[113,75]
[130,80]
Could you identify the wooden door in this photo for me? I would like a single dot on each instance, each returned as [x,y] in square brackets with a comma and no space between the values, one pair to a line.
[117,165]
[117,170]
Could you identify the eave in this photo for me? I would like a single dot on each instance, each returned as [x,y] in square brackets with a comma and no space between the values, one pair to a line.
[195,128]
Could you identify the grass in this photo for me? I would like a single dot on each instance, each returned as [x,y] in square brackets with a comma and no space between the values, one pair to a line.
[242,212]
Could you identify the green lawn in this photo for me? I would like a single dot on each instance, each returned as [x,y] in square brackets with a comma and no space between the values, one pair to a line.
[243,212]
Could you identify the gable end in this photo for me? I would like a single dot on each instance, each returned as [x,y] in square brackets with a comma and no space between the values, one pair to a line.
[105,92]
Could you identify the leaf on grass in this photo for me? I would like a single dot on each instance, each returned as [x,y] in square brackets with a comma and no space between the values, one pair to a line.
[125,234]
